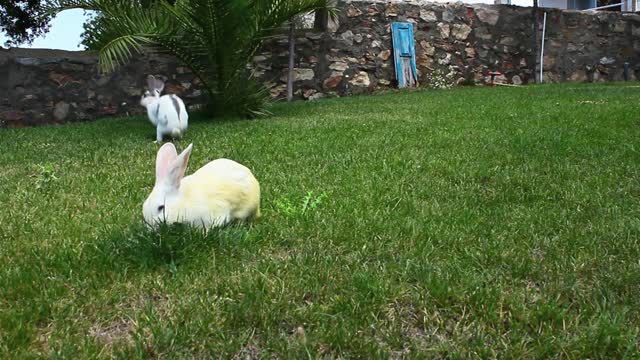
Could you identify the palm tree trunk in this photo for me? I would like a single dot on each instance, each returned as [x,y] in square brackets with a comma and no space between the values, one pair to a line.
[292,40]
[320,21]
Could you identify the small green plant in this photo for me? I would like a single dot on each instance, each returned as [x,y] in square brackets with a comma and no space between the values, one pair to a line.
[285,207]
[45,176]
[309,203]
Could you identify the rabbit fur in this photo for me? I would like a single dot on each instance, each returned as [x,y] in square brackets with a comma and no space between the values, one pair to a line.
[218,193]
[167,112]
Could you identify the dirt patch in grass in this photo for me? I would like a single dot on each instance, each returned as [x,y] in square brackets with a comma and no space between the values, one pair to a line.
[250,351]
[115,332]
[119,331]
[42,339]
[422,332]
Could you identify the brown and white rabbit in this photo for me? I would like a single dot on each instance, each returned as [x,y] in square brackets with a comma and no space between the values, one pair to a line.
[167,112]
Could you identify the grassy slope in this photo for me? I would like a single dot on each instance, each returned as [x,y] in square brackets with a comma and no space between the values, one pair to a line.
[495,222]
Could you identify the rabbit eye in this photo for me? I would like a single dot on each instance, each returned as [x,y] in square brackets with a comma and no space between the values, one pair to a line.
[161,208]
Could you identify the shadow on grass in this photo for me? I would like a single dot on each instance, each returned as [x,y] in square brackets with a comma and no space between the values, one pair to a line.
[202,117]
[142,248]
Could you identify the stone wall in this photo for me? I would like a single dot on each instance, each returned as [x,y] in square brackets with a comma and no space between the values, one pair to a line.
[455,44]
[51,86]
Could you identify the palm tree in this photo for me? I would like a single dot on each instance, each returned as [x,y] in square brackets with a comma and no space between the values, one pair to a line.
[216,39]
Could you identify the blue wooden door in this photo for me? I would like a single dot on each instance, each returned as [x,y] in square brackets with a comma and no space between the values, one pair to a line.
[404,54]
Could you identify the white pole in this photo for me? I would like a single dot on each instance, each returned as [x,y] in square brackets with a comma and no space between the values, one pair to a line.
[544,25]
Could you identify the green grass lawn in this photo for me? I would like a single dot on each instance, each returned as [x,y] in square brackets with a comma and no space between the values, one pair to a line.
[476,222]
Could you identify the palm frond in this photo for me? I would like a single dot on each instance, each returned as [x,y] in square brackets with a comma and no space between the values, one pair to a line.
[216,39]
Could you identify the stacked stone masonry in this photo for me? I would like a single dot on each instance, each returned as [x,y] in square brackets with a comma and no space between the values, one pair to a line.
[455,43]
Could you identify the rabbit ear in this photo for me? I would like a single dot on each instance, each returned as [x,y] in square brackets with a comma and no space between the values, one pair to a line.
[177,167]
[151,82]
[159,84]
[166,156]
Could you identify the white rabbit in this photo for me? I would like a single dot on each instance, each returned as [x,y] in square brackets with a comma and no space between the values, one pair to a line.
[218,193]
[167,112]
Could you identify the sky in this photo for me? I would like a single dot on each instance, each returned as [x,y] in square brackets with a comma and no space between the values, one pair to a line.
[64,32]
[67,26]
